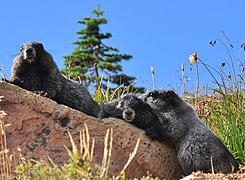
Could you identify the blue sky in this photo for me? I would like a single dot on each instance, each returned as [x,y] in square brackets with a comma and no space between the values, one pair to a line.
[157,33]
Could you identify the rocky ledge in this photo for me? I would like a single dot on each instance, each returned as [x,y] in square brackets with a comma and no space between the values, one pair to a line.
[39,126]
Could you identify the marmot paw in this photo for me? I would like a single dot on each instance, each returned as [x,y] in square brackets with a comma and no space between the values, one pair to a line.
[41,93]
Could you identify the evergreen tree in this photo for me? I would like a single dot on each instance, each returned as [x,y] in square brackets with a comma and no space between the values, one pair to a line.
[93,62]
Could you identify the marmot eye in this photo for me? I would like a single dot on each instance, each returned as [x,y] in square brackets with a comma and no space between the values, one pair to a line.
[152,94]
[21,49]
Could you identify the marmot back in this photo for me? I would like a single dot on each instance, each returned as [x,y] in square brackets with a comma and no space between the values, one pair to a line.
[195,143]
[35,70]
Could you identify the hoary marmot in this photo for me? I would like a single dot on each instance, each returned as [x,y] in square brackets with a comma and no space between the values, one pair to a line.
[133,110]
[197,146]
[34,69]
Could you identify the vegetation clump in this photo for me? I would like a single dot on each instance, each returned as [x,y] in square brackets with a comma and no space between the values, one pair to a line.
[93,62]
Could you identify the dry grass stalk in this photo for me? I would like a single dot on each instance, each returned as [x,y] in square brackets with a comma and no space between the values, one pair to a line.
[5,165]
[153,77]
[85,148]
[107,153]
[131,156]
[86,152]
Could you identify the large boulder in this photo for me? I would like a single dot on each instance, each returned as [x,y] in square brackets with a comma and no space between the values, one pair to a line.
[39,128]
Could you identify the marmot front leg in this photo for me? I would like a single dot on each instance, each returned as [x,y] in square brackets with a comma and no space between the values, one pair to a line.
[52,88]
[4,79]
[153,133]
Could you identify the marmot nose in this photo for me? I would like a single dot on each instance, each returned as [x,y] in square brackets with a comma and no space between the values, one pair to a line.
[29,51]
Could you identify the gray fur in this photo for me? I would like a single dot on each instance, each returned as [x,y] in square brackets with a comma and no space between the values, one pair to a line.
[110,109]
[195,143]
[35,70]
[133,110]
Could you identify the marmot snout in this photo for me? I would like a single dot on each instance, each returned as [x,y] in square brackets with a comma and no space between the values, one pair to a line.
[29,50]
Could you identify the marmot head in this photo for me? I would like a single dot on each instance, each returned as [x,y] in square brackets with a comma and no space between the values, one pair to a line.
[30,50]
[126,103]
[135,111]
[163,100]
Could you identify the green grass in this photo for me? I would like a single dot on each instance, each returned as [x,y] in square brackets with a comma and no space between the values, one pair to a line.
[109,94]
[226,114]
[228,122]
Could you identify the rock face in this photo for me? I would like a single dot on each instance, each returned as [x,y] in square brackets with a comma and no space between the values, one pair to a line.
[39,127]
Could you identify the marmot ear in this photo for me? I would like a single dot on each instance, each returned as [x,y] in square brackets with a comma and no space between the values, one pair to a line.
[169,93]
[40,45]
[170,97]
[173,98]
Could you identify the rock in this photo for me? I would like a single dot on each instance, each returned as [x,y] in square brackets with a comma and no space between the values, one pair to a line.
[39,128]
